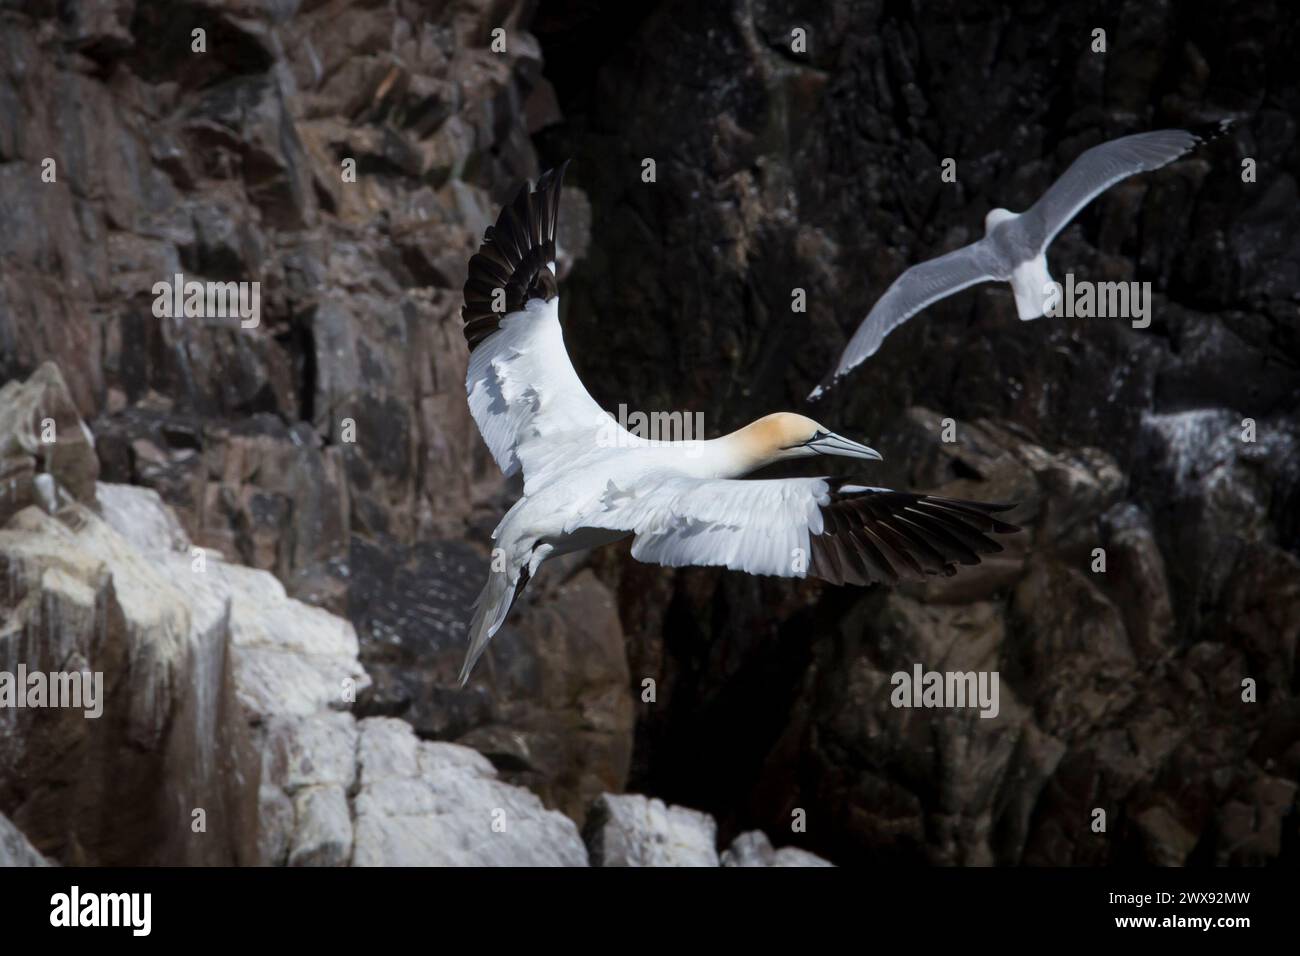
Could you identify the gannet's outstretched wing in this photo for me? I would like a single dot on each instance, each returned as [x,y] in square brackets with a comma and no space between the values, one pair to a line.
[523,391]
[911,292]
[801,527]
[1092,173]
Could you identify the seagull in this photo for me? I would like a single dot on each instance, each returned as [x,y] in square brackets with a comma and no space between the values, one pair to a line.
[587,481]
[1014,247]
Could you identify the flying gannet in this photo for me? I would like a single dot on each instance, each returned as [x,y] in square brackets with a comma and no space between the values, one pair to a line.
[588,481]
[1014,247]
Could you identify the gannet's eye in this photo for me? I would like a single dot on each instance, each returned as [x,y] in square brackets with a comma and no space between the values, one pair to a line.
[817,436]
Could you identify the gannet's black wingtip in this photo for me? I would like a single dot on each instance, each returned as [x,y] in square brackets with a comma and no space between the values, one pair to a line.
[513,263]
[872,535]
[547,192]
[553,175]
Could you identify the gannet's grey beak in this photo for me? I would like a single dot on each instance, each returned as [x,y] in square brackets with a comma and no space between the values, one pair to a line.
[833,444]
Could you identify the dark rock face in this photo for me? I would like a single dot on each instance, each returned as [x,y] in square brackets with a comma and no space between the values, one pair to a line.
[779,170]
[331,444]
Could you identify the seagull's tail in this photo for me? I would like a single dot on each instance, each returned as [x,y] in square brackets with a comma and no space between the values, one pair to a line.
[1032,286]
[490,610]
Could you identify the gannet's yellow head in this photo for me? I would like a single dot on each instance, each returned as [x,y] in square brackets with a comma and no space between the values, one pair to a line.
[786,435]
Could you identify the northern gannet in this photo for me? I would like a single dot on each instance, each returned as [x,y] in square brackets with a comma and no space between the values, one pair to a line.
[588,481]
[1014,247]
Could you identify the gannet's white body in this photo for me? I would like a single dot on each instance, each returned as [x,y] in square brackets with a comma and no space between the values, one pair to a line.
[588,481]
[1014,247]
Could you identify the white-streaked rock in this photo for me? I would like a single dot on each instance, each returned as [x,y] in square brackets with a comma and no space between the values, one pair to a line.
[14,848]
[633,830]
[755,849]
[237,696]
[42,435]
[323,832]
[139,515]
[440,804]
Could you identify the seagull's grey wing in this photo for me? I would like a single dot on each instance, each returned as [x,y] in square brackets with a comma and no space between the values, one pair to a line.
[913,291]
[1095,171]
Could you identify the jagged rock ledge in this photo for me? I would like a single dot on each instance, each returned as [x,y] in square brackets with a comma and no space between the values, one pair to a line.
[226,733]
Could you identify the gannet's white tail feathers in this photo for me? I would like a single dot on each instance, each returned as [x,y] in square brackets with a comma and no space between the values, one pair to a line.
[1031,284]
[490,609]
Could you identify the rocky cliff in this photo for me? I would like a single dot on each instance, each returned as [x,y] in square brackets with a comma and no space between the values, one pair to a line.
[346,155]
[816,166]
[224,732]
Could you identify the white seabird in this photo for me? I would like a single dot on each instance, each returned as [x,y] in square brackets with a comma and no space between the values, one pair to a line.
[1014,247]
[588,481]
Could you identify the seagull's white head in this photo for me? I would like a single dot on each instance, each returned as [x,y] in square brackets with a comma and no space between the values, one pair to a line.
[996,217]
[785,435]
